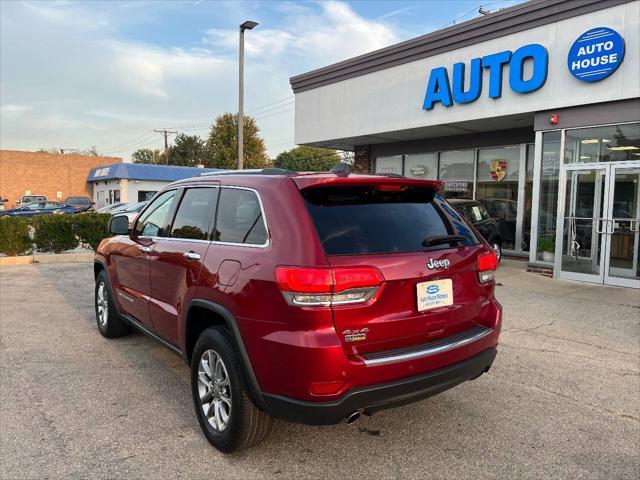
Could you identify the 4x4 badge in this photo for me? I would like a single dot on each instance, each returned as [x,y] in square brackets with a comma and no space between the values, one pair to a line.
[355,335]
[438,264]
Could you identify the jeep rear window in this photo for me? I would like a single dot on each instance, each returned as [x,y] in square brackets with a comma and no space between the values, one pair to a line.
[365,220]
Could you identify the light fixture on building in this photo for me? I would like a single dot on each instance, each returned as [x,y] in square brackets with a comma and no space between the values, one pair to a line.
[624,148]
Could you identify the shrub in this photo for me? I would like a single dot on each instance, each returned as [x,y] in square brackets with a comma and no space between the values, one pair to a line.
[91,227]
[54,233]
[547,243]
[14,235]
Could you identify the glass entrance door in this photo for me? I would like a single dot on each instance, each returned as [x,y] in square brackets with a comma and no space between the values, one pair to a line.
[622,228]
[600,224]
[582,239]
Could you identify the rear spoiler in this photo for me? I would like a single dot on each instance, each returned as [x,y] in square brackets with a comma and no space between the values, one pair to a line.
[303,182]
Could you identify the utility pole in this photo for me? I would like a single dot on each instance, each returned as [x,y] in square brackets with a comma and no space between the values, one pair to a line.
[165,133]
[248,25]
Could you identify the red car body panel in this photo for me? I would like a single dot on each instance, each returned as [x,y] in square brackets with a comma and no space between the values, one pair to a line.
[290,347]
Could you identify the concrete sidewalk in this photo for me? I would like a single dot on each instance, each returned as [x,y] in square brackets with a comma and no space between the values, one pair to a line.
[561,400]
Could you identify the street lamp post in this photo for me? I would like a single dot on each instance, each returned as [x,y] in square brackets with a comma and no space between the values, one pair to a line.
[248,25]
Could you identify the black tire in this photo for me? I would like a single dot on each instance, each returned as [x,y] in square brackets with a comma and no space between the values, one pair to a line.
[113,326]
[497,248]
[247,425]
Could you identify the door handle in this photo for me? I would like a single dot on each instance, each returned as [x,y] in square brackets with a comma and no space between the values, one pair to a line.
[145,249]
[602,225]
[191,255]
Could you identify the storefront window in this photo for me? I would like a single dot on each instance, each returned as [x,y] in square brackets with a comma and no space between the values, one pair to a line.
[528,196]
[548,195]
[423,166]
[389,164]
[614,143]
[498,171]
[456,173]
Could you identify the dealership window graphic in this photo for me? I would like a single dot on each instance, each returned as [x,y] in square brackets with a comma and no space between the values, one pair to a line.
[596,54]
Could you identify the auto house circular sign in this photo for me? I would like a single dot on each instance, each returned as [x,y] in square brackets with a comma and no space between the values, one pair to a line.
[596,54]
[419,171]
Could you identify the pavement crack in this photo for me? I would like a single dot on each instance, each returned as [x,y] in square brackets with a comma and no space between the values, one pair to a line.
[629,373]
[622,415]
[530,329]
[570,340]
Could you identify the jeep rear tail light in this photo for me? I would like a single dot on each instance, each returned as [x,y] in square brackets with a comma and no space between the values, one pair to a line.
[323,287]
[487,264]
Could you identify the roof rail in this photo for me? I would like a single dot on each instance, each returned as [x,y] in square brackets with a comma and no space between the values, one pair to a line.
[253,171]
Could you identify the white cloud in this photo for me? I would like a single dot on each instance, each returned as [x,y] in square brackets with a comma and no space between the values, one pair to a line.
[70,79]
[311,38]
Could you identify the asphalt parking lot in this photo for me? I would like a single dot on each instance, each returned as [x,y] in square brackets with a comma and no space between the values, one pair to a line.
[562,400]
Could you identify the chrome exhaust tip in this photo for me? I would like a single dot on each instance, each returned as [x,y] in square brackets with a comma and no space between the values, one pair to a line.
[352,417]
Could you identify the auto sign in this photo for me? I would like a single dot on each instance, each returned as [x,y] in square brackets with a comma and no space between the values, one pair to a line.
[596,54]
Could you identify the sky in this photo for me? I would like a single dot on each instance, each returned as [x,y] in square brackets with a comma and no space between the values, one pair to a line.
[75,75]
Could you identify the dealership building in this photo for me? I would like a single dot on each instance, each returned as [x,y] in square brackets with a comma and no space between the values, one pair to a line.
[135,182]
[533,110]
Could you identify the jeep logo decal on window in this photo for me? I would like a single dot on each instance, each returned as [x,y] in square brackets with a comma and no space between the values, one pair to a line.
[438,264]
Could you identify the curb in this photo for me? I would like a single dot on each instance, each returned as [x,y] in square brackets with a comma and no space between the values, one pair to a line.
[57,258]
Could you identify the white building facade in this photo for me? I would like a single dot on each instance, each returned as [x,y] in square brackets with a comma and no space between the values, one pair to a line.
[132,183]
[533,110]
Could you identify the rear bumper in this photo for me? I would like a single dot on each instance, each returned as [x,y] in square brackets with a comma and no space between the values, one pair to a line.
[380,396]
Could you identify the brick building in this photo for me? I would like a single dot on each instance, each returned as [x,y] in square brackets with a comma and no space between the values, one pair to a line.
[55,175]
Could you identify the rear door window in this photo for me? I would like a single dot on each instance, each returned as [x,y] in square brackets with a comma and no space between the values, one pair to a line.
[240,218]
[195,213]
[366,220]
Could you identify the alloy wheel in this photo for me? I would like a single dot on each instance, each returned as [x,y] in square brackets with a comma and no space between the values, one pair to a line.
[102,304]
[214,389]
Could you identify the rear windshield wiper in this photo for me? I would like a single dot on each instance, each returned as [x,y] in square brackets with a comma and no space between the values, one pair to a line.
[441,239]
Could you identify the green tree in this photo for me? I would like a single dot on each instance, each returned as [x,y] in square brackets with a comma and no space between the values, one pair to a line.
[146,155]
[222,144]
[307,159]
[187,150]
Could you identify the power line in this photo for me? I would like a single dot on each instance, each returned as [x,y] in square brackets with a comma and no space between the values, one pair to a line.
[113,149]
[144,142]
[165,133]
[290,97]
[260,117]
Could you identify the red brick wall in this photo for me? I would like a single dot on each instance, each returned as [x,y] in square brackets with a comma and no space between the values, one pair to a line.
[362,161]
[46,174]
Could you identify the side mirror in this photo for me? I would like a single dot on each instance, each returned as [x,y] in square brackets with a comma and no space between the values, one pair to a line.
[119,225]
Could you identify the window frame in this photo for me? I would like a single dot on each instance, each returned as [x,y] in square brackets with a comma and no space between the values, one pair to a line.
[212,218]
[170,214]
[266,244]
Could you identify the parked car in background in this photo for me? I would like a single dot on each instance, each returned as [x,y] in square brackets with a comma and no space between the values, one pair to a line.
[30,198]
[39,208]
[475,213]
[109,207]
[82,204]
[308,297]
[130,210]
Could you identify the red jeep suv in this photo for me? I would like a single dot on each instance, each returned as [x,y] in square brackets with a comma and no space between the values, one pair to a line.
[307,297]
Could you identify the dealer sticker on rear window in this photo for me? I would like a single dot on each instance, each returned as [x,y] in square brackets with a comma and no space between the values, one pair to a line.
[438,293]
